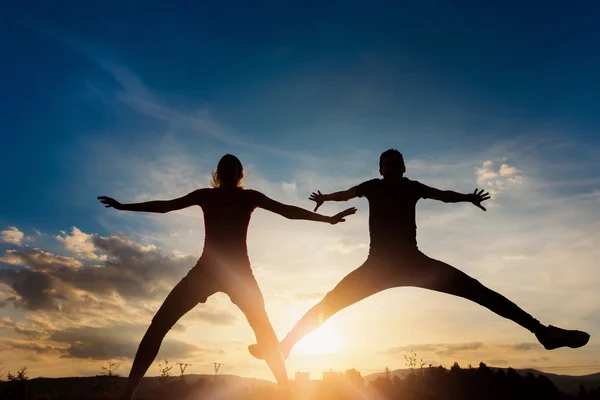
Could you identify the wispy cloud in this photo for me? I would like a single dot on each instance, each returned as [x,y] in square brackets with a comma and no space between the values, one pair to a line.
[442,349]
[143,99]
[526,346]
[140,98]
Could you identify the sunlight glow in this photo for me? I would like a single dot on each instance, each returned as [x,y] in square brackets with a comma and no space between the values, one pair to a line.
[324,340]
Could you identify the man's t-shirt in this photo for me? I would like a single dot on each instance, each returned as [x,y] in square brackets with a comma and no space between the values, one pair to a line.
[392,214]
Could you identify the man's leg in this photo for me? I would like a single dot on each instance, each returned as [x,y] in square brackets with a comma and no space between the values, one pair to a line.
[361,283]
[432,274]
[184,296]
[248,297]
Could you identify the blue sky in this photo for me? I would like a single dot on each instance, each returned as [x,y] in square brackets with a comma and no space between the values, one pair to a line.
[139,101]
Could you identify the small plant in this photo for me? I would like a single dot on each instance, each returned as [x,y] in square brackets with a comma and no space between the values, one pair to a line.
[165,372]
[109,368]
[20,376]
[107,377]
[164,378]
[412,362]
[18,387]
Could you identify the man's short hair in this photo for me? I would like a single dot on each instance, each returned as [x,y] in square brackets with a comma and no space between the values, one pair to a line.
[394,154]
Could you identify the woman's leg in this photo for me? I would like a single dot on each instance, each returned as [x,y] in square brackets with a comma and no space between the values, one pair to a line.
[191,290]
[247,296]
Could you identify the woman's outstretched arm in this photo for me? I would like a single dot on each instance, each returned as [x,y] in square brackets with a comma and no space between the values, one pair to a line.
[293,212]
[155,206]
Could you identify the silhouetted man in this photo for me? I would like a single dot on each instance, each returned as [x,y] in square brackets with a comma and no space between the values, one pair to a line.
[394,259]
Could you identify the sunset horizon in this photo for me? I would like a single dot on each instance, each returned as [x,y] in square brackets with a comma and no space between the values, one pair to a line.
[140,102]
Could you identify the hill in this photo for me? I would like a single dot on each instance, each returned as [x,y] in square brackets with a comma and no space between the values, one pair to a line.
[95,387]
[565,383]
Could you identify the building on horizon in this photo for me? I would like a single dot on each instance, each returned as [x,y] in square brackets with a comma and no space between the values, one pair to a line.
[331,376]
[302,376]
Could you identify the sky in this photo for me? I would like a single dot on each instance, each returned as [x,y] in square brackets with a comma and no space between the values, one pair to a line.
[138,101]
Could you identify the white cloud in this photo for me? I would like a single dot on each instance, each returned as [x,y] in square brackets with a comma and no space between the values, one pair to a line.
[39,260]
[290,188]
[498,180]
[79,243]
[12,235]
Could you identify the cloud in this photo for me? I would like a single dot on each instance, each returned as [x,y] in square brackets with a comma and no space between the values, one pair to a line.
[34,290]
[39,260]
[441,349]
[79,243]
[526,346]
[212,317]
[32,333]
[51,282]
[6,322]
[36,346]
[497,362]
[515,257]
[95,311]
[116,341]
[131,270]
[346,248]
[308,296]
[12,235]
[498,180]
[137,96]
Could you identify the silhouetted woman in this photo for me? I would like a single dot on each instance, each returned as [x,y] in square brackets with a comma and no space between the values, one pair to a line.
[223,266]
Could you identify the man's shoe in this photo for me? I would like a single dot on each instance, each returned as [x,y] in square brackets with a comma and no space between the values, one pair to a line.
[552,338]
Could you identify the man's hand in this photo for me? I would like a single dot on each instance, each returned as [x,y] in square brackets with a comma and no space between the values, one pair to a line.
[317,198]
[477,197]
[339,217]
[109,202]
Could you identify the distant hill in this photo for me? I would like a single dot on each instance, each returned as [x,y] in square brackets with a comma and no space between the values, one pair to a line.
[96,386]
[565,383]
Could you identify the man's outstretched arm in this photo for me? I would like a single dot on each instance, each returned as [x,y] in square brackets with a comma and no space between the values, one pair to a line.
[449,196]
[344,195]
[155,206]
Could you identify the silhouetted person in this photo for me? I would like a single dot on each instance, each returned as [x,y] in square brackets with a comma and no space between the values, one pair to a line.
[394,259]
[223,266]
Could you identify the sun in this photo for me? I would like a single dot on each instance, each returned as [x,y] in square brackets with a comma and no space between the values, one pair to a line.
[324,340]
